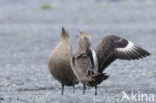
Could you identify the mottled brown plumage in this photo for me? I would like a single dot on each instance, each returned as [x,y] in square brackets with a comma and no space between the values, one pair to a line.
[59,61]
[83,63]
[89,70]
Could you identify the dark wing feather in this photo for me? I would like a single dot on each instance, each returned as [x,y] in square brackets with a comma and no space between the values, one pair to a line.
[105,52]
[114,47]
[91,57]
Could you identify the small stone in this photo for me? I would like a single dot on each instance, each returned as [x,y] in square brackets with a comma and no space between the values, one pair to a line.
[2,99]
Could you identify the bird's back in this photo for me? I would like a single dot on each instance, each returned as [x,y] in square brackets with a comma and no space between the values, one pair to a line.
[82,67]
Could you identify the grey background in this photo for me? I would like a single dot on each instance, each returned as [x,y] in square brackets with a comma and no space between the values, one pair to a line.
[28,34]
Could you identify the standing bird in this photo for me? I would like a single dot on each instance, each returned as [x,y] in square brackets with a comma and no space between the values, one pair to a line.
[59,62]
[88,63]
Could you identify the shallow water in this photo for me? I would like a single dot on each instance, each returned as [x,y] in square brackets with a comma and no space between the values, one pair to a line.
[28,34]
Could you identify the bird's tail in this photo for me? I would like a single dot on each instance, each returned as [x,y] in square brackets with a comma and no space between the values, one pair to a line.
[101,76]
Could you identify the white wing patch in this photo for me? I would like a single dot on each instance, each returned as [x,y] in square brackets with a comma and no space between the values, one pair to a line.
[95,69]
[130,46]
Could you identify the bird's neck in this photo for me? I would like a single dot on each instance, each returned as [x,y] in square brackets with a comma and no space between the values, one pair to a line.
[65,39]
[85,47]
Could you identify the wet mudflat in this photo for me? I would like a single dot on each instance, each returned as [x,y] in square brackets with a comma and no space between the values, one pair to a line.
[30,29]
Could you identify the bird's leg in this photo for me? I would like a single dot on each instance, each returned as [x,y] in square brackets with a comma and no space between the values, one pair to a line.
[84,88]
[73,89]
[96,90]
[62,89]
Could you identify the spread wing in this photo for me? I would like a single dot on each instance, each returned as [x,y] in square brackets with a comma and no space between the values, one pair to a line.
[113,47]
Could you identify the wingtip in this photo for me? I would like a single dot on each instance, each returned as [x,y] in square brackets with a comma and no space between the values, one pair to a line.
[143,52]
[149,54]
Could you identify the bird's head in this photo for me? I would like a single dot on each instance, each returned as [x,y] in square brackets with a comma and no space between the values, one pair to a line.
[85,40]
[64,34]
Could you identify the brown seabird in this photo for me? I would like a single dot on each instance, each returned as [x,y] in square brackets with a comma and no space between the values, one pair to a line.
[59,62]
[88,63]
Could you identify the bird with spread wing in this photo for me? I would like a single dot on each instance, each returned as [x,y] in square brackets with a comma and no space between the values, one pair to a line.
[88,63]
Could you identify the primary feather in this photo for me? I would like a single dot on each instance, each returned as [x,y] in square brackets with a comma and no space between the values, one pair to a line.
[113,47]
